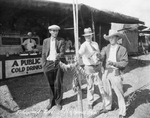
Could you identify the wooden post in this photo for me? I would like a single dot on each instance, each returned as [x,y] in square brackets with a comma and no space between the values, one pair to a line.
[79,93]
[93,26]
[100,37]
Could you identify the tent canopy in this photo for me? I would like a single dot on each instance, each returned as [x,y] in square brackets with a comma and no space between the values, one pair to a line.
[36,15]
[63,8]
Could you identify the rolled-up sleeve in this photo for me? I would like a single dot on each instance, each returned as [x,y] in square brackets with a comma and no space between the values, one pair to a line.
[81,50]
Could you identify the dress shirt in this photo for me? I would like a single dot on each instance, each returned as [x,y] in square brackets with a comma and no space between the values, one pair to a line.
[112,53]
[53,53]
[30,43]
[86,51]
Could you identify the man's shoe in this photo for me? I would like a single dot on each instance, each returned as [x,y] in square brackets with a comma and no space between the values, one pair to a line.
[113,107]
[50,106]
[105,110]
[90,106]
[59,107]
[121,116]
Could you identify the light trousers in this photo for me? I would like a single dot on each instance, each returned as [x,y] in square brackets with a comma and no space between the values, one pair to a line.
[93,80]
[112,81]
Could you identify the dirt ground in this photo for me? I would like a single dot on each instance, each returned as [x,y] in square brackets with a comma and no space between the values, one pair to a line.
[31,93]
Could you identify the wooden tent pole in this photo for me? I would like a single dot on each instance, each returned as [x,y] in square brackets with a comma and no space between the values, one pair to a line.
[93,26]
[79,93]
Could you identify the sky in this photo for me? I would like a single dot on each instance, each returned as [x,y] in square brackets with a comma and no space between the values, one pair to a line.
[136,8]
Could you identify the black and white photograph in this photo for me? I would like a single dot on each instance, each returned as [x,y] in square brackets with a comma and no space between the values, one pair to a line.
[74,59]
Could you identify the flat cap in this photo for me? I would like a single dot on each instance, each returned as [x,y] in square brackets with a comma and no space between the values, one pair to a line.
[54,27]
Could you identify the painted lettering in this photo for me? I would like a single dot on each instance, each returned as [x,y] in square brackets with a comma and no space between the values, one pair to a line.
[15,64]
[17,70]
[30,61]
[31,68]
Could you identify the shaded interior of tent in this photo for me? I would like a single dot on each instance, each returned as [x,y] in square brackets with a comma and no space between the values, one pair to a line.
[32,15]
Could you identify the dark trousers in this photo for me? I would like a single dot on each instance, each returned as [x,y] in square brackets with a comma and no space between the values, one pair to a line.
[54,75]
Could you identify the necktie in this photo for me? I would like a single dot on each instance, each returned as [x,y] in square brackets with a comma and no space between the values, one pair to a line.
[92,47]
[94,50]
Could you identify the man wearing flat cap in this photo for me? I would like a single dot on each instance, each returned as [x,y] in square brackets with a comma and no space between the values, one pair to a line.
[53,52]
[116,59]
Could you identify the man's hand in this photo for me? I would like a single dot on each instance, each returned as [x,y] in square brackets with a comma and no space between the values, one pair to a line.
[33,47]
[111,63]
[57,57]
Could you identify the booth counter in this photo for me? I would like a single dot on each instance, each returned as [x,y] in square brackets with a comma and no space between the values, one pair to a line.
[19,65]
[24,64]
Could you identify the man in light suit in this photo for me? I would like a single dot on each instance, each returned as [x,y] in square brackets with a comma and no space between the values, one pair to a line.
[52,53]
[89,50]
[116,59]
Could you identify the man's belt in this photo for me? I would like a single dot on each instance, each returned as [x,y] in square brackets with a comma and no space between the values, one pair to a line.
[51,60]
[110,70]
[93,65]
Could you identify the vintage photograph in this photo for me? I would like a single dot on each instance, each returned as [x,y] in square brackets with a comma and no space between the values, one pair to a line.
[74,59]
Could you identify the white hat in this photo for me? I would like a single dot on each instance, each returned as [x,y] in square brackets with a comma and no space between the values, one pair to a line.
[87,32]
[54,27]
[113,33]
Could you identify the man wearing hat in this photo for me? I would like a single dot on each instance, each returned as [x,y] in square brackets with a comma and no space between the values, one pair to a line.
[116,59]
[53,52]
[87,50]
[29,44]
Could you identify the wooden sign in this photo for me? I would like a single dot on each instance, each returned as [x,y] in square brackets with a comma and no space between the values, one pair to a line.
[19,67]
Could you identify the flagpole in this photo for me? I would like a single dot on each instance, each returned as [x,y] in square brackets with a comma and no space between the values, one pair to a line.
[76,32]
